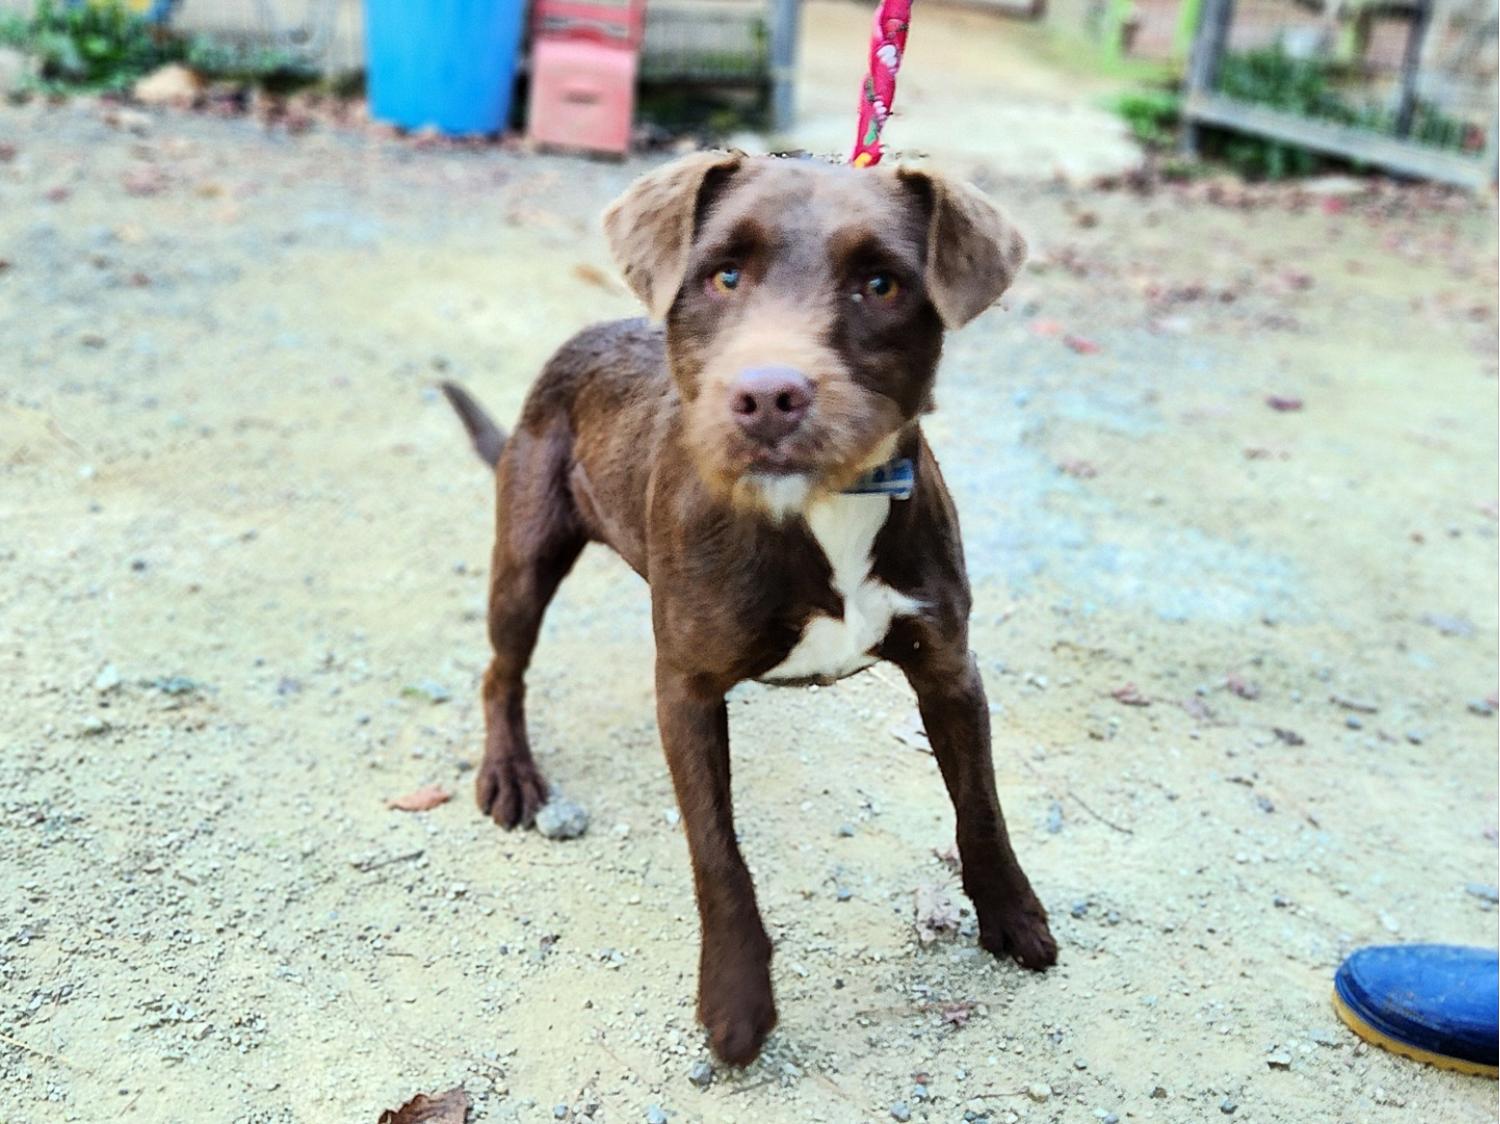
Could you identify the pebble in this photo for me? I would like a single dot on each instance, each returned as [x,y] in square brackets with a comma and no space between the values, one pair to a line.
[655,1115]
[1279,1059]
[94,725]
[1354,723]
[1227,1107]
[560,818]
[846,831]
[1054,818]
[1482,707]
[559,1112]
[1390,924]
[1484,891]
[900,1111]
[1080,1063]
[108,679]
[1039,1092]
[701,1075]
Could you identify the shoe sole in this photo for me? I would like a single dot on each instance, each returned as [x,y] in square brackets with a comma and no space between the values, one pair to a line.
[1376,1038]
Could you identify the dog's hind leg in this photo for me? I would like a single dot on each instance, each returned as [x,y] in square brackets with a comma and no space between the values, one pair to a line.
[538,537]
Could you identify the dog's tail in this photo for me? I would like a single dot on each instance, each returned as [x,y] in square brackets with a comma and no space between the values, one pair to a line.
[488,438]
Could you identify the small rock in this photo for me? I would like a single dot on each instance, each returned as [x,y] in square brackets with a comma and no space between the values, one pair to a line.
[1078,909]
[93,726]
[1354,723]
[107,680]
[846,831]
[1040,1092]
[1080,1063]
[559,1112]
[1158,1092]
[433,692]
[1279,1059]
[655,1115]
[1389,923]
[900,1111]
[560,818]
[701,1075]
[1449,624]
[1484,891]
[1054,818]
[1482,707]
[173,84]
[1227,1107]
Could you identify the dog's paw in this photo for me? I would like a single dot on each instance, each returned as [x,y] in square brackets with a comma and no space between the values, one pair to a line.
[509,791]
[1021,933]
[736,1036]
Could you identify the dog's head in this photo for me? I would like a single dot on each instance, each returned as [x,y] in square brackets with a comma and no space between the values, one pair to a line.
[805,305]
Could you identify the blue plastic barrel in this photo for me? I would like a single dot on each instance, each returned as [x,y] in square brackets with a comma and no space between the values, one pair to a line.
[445,63]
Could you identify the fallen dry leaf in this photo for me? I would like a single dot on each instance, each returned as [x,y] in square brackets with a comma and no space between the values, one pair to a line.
[1081,344]
[1129,695]
[958,1012]
[421,800]
[1241,687]
[1283,404]
[451,1107]
[936,913]
[593,275]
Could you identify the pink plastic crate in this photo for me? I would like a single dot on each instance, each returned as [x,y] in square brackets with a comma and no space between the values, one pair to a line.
[582,95]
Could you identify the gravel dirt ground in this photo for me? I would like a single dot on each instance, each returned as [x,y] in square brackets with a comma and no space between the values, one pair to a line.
[1242,661]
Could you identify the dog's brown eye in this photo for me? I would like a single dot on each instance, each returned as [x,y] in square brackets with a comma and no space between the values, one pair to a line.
[881,286]
[726,280]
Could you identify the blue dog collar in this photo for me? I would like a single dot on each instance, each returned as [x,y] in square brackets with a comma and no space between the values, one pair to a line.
[895,478]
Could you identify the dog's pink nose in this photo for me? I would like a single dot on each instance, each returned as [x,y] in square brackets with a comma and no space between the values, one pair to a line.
[770,402]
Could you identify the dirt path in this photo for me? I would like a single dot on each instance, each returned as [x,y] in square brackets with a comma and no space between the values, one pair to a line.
[245,550]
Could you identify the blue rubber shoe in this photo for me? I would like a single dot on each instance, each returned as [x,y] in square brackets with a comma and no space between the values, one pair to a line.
[1435,1003]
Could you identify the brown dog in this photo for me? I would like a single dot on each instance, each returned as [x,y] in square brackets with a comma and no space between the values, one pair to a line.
[728,459]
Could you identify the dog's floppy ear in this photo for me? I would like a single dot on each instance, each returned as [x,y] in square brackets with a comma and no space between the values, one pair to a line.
[650,228]
[973,251]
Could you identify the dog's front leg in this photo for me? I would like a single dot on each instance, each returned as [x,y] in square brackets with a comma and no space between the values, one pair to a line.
[956,715]
[734,965]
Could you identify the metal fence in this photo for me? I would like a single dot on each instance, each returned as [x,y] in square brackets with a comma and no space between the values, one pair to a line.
[1408,86]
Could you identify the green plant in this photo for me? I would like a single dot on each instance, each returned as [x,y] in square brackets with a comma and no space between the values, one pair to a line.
[95,45]
[270,67]
[1273,78]
[1152,114]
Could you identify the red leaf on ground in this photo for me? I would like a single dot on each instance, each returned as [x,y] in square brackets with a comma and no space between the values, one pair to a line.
[958,1012]
[1129,695]
[451,1107]
[1081,344]
[421,800]
[1240,687]
[936,913]
[1283,403]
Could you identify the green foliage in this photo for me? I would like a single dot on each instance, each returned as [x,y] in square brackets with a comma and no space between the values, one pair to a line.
[98,45]
[1151,114]
[277,70]
[1272,78]
[104,45]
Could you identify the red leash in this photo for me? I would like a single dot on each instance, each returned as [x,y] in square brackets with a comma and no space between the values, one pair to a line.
[887,45]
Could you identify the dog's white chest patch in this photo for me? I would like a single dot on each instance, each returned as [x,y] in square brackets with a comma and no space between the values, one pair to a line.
[845,527]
